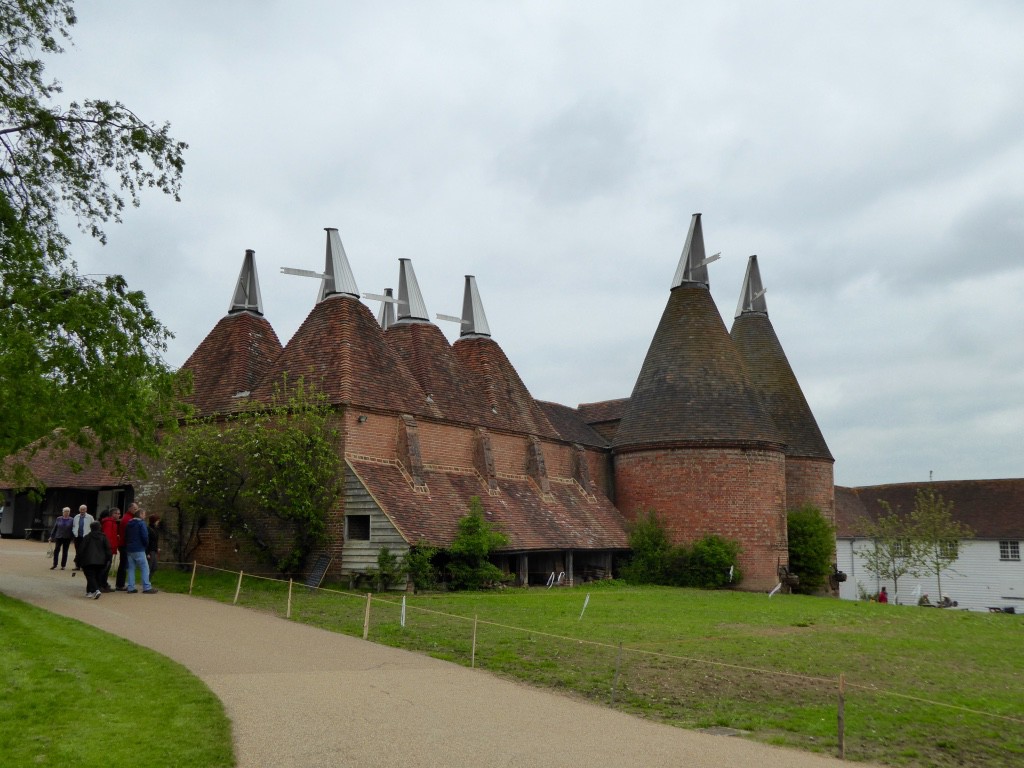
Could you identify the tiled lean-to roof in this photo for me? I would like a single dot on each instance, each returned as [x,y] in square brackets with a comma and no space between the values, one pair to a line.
[52,461]
[564,519]
[993,509]
[771,373]
[571,425]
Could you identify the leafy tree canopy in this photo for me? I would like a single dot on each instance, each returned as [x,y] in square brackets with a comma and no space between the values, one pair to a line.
[74,351]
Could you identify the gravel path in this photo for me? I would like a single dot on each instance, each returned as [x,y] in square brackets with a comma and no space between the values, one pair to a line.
[300,696]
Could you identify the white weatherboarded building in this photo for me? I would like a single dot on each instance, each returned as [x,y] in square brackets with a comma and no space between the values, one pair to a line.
[988,572]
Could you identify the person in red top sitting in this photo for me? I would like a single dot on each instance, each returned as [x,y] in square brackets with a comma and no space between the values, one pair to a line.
[122,558]
[108,523]
[883,596]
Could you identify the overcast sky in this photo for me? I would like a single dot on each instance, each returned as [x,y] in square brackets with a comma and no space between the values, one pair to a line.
[870,153]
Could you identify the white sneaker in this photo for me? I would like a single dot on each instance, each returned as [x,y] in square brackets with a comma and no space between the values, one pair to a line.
[96,595]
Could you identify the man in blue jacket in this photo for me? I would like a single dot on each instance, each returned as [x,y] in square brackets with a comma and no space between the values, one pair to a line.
[136,541]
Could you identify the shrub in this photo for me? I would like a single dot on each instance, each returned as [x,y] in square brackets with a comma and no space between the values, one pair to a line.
[470,567]
[711,562]
[389,570]
[420,565]
[812,542]
[651,549]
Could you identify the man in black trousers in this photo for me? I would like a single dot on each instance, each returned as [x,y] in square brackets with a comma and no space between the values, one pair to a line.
[122,558]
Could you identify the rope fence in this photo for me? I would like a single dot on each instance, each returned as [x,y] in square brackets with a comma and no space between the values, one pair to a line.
[627,677]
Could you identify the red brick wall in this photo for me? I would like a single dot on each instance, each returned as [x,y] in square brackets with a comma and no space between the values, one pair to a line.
[810,481]
[730,492]
[377,436]
[446,445]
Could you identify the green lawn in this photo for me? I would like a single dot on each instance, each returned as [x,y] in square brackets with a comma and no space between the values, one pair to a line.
[924,687]
[77,696]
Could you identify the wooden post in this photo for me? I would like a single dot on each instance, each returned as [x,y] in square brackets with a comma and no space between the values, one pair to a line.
[472,654]
[841,720]
[366,616]
[193,579]
[618,665]
[288,611]
[238,588]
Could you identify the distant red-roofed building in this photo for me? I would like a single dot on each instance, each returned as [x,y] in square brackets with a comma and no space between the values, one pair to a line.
[988,572]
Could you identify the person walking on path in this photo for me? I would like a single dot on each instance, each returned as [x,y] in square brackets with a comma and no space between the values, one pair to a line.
[108,523]
[93,556]
[81,524]
[61,536]
[136,539]
[122,560]
[153,548]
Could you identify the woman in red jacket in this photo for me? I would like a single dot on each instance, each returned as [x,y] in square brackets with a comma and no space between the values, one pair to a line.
[108,522]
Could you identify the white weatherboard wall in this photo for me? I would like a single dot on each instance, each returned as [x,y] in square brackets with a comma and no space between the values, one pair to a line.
[978,580]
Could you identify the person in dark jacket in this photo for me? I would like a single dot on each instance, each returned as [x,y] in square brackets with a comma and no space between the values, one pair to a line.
[153,548]
[93,556]
[136,540]
[60,537]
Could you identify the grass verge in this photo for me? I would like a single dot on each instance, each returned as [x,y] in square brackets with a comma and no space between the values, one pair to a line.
[77,696]
[923,687]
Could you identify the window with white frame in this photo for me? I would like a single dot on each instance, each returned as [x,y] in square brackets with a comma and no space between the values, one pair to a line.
[949,549]
[1009,550]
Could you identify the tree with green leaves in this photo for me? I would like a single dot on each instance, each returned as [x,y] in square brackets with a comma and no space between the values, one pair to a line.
[892,553]
[936,534]
[269,475]
[470,566]
[812,546]
[75,351]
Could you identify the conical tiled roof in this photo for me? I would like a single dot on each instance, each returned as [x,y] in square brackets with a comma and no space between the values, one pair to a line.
[511,405]
[230,362]
[755,338]
[693,388]
[236,355]
[341,349]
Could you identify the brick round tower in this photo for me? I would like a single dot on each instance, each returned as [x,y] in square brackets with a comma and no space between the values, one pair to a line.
[695,444]
[809,462]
